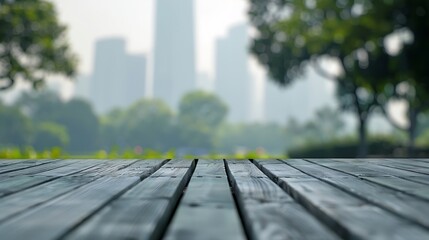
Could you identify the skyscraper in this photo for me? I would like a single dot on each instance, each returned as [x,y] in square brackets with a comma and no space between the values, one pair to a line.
[233,81]
[174,56]
[108,81]
[118,78]
[136,78]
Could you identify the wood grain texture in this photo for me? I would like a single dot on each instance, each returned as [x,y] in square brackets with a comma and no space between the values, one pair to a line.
[215,199]
[141,213]
[268,211]
[207,202]
[71,208]
[404,205]
[347,214]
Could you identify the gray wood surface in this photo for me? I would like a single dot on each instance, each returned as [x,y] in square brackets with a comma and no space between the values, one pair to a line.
[268,211]
[215,199]
[141,213]
[407,206]
[350,216]
[60,215]
[207,209]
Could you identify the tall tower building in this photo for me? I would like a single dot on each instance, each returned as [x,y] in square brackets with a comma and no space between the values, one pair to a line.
[108,81]
[174,56]
[136,78]
[233,81]
[118,78]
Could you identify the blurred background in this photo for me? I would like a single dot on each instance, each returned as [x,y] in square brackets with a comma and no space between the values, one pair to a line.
[242,78]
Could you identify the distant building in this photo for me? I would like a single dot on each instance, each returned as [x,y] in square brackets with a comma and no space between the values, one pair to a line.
[233,81]
[174,56]
[136,78]
[118,78]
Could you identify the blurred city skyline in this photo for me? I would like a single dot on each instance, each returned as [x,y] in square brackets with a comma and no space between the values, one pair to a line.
[134,23]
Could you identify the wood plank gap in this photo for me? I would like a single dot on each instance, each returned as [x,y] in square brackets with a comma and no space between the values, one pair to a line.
[161,232]
[14,167]
[240,209]
[418,195]
[112,199]
[41,222]
[400,204]
[344,217]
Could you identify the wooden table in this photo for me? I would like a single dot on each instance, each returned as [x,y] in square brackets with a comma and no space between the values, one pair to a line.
[214,199]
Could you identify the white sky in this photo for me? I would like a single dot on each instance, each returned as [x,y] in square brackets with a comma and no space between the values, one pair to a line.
[89,20]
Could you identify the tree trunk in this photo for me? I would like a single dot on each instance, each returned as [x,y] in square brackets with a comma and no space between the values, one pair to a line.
[362,151]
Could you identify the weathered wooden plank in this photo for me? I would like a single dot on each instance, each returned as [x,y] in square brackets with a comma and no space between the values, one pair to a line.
[409,185]
[6,162]
[105,168]
[22,164]
[407,167]
[276,171]
[75,167]
[207,202]
[408,162]
[210,168]
[38,168]
[177,163]
[17,203]
[348,215]
[403,185]
[268,211]
[16,183]
[317,170]
[140,168]
[371,170]
[244,169]
[406,206]
[141,213]
[70,209]
[267,161]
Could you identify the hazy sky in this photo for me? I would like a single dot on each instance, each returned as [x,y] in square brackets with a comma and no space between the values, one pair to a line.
[89,20]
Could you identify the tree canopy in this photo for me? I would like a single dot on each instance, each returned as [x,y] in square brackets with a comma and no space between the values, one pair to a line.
[293,34]
[33,43]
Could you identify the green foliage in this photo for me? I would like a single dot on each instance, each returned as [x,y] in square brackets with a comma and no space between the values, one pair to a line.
[202,108]
[200,115]
[82,125]
[32,43]
[295,34]
[147,124]
[270,138]
[15,127]
[49,135]
[345,148]
[76,116]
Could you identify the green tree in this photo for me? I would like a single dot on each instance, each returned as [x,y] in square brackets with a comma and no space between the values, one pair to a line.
[76,115]
[295,34]
[32,43]
[148,123]
[48,135]
[82,125]
[15,127]
[200,115]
